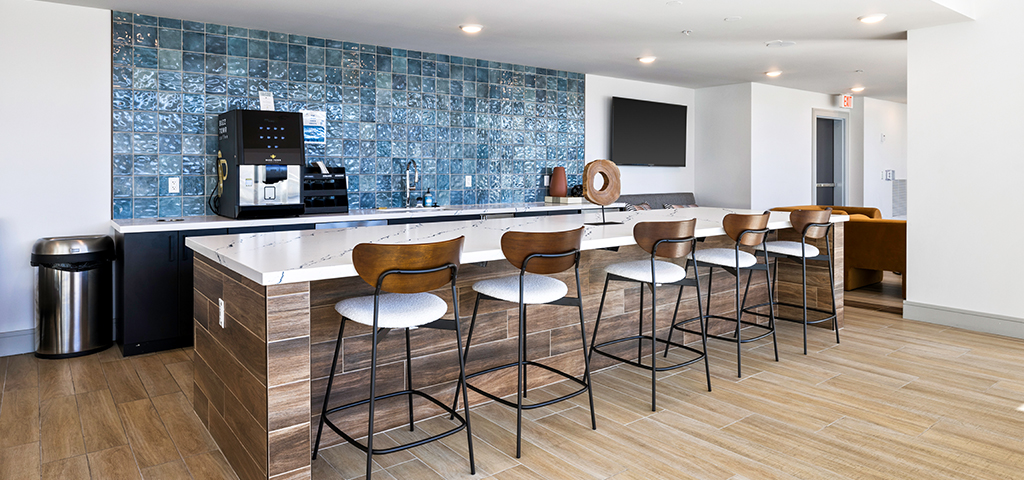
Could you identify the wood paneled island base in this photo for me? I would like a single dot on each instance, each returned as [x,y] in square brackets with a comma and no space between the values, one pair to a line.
[260,379]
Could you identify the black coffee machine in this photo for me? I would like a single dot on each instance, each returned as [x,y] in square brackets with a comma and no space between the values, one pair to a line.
[259,164]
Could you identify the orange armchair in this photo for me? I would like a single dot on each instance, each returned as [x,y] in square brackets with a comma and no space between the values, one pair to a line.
[872,245]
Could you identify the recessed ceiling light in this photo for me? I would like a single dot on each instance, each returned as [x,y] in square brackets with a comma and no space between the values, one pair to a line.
[773,73]
[733,19]
[674,3]
[873,18]
[687,32]
[779,43]
[858,71]
[647,59]
[471,28]
[857,89]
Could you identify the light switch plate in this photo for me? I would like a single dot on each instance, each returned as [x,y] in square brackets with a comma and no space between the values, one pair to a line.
[220,303]
[174,185]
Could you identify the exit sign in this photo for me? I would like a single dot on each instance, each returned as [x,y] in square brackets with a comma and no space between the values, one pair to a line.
[846,101]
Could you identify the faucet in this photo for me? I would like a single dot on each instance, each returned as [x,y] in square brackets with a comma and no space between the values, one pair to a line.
[409,187]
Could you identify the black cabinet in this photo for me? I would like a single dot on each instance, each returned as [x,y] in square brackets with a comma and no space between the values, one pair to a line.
[146,292]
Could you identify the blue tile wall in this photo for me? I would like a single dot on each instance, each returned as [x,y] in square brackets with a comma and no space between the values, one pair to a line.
[502,124]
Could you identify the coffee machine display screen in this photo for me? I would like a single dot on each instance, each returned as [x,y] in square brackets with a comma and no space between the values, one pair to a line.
[271,134]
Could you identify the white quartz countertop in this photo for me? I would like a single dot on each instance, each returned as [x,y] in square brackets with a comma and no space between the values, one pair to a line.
[143,225]
[307,255]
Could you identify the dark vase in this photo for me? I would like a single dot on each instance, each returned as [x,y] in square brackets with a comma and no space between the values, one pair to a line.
[558,183]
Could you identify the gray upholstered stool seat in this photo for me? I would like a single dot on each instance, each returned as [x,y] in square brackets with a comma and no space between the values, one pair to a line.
[397,310]
[640,271]
[791,249]
[725,257]
[537,289]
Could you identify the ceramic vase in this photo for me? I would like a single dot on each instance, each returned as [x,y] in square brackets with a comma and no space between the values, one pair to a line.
[558,186]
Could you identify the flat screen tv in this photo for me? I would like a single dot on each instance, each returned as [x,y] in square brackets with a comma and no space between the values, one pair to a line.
[648,133]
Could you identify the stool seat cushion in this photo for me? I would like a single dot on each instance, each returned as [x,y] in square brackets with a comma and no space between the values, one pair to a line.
[537,289]
[397,310]
[791,249]
[725,257]
[640,270]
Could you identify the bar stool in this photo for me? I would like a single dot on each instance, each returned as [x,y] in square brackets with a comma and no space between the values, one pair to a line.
[748,231]
[535,255]
[406,272]
[812,224]
[666,240]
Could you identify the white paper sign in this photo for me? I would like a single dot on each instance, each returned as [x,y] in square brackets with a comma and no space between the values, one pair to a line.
[266,101]
[314,126]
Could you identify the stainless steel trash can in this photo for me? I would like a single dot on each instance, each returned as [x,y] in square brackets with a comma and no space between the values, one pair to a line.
[73,295]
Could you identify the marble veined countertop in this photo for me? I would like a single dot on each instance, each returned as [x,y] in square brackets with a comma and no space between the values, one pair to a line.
[300,256]
[143,225]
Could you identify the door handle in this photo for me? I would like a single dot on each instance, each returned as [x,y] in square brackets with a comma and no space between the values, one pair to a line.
[825,185]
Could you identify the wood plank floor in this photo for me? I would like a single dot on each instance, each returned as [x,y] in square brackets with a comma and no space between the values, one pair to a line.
[896,399]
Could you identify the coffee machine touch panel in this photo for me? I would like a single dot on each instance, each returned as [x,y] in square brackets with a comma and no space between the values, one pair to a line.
[260,164]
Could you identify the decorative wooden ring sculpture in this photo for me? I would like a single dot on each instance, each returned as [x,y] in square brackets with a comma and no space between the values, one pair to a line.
[609,192]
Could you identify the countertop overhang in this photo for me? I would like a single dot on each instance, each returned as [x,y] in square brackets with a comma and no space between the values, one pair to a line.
[308,255]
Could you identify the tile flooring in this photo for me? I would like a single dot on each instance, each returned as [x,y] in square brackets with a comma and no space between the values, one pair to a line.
[896,399]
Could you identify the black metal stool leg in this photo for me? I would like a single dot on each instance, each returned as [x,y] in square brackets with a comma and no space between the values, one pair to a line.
[520,367]
[586,357]
[654,346]
[522,335]
[327,396]
[803,271]
[597,323]
[462,378]
[465,355]
[373,397]
[675,314]
[640,326]
[739,325]
[771,308]
[408,376]
[703,329]
[832,288]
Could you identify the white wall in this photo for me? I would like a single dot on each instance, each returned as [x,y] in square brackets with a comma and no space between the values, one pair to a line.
[964,162]
[882,117]
[600,91]
[723,145]
[55,131]
[781,145]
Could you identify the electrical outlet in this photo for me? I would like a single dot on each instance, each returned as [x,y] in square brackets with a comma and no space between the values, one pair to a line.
[174,185]
[547,180]
[469,181]
[220,302]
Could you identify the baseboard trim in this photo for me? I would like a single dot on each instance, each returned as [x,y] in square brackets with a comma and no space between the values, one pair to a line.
[17,342]
[966,319]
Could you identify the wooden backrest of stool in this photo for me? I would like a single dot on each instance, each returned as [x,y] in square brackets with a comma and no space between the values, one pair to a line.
[735,224]
[518,245]
[373,259]
[802,218]
[649,233]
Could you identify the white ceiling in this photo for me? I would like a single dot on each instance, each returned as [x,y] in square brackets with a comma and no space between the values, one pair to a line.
[605,37]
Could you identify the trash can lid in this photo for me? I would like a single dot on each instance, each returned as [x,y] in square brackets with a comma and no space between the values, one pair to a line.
[73,245]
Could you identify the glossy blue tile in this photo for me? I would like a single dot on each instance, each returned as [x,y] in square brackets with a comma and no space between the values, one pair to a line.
[238,66]
[238,47]
[216,29]
[146,186]
[145,57]
[169,59]
[121,55]
[296,72]
[144,36]
[193,62]
[121,77]
[315,55]
[296,53]
[193,42]
[216,44]
[145,207]
[170,122]
[122,208]
[193,206]
[169,81]
[278,51]
[216,64]
[258,68]
[170,38]
[170,207]
[216,104]
[145,122]
[258,34]
[238,31]
[297,39]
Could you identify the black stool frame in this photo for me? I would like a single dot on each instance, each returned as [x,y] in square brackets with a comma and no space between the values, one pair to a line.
[378,335]
[827,257]
[522,363]
[640,336]
[737,336]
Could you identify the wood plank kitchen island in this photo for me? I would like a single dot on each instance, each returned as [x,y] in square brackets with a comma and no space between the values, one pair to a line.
[260,376]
